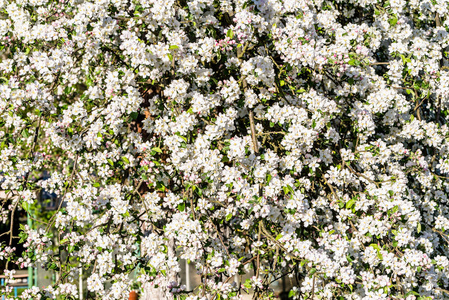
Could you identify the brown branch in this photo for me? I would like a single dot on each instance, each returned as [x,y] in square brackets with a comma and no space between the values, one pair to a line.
[437,19]
[441,233]
[249,260]
[313,286]
[379,63]
[419,105]
[191,203]
[240,54]
[443,290]
[332,189]
[253,132]
[363,176]
[12,223]
[221,240]
[50,222]
[270,237]
[131,18]
[438,110]
[258,252]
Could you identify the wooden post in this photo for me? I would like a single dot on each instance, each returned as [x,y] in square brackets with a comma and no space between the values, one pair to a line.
[187,275]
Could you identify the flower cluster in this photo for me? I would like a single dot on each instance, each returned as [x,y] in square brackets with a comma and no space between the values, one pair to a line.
[261,138]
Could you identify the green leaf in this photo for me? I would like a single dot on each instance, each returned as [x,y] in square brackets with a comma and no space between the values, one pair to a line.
[157,149]
[403,59]
[418,229]
[53,266]
[228,217]
[348,257]
[126,160]
[376,246]
[278,236]
[110,162]
[25,134]
[247,283]
[353,62]
[183,137]
[160,186]
[269,178]
[181,206]
[230,34]
[23,236]
[393,21]
[173,47]
[313,271]
[291,293]
[96,184]
[170,57]
[25,206]
[350,203]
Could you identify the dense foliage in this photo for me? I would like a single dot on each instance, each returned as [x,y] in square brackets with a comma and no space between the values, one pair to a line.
[301,138]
